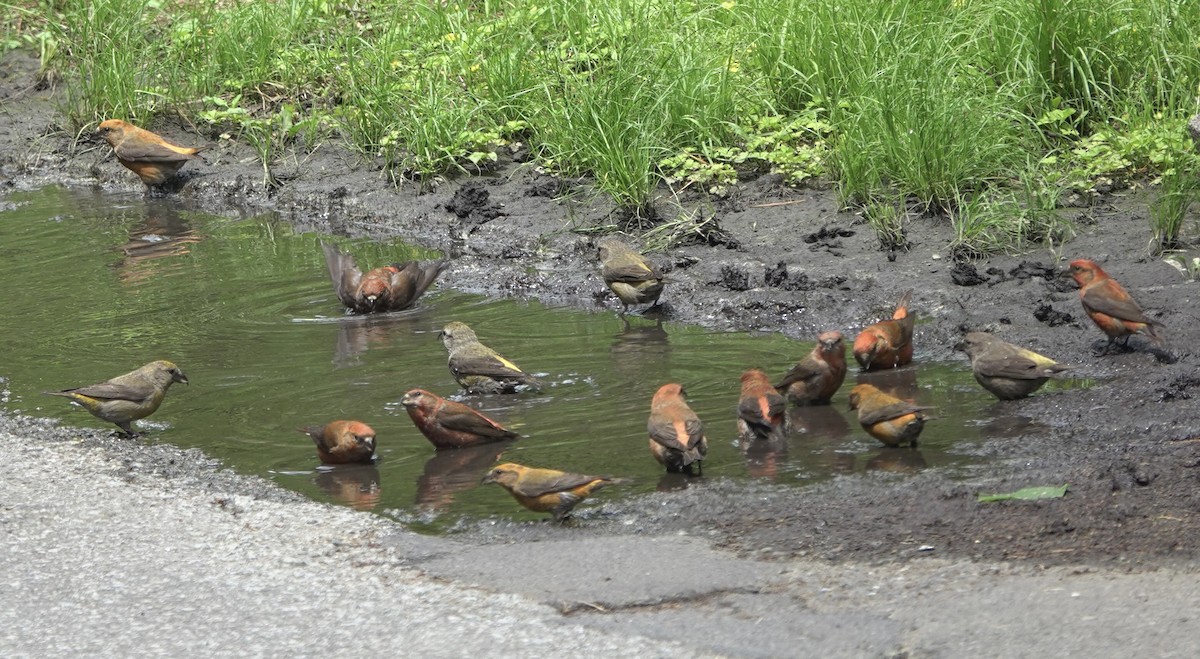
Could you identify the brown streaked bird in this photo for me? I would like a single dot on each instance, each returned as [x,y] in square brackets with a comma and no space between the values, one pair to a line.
[151,157]
[761,408]
[478,368]
[1110,306]
[545,490]
[818,376]
[343,441]
[888,343]
[1009,372]
[447,424]
[387,288]
[891,420]
[129,397]
[633,278]
[677,438]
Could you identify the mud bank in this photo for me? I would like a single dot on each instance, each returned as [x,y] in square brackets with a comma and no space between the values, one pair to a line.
[785,260]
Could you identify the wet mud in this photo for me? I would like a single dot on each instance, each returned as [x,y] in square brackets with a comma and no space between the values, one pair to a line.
[776,259]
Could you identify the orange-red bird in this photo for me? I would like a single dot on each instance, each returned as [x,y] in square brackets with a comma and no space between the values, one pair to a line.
[1110,306]
[545,490]
[387,288]
[151,157]
[761,408]
[676,434]
[893,421]
[888,343]
[447,424]
[342,441]
[818,376]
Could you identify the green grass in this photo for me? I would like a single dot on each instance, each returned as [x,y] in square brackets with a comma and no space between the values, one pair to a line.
[976,112]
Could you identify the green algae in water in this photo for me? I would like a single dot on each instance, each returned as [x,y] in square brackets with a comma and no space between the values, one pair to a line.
[100,284]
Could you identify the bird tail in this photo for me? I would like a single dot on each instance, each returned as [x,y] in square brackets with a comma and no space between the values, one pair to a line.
[902,306]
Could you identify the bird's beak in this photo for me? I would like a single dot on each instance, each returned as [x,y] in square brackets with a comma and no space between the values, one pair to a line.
[488,478]
[960,346]
[180,378]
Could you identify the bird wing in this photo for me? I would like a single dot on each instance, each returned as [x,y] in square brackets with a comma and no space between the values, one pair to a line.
[344,273]
[456,416]
[1109,299]
[807,371]
[751,408]
[142,151]
[886,412]
[536,485]
[630,273]
[665,431]
[1015,366]
[116,391]
[402,284]
[493,366]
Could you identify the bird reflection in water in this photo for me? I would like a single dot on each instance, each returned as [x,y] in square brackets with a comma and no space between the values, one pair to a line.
[764,455]
[163,232]
[896,460]
[641,348]
[358,334]
[456,470]
[356,485]
[900,382]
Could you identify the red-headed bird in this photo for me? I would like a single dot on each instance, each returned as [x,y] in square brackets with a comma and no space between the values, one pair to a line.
[888,343]
[760,408]
[677,438]
[387,288]
[151,157]
[1110,306]
[818,376]
[342,441]
[447,424]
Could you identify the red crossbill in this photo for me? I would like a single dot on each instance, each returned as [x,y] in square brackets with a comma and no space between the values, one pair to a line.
[343,441]
[888,343]
[676,434]
[760,409]
[1110,306]
[447,424]
[893,421]
[1009,372]
[545,490]
[356,485]
[387,288]
[127,398]
[630,275]
[818,376]
[478,368]
[151,157]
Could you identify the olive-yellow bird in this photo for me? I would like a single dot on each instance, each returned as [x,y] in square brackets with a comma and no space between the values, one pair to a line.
[630,275]
[1008,371]
[129,397]
[545,490]
[478,368]
[891,420]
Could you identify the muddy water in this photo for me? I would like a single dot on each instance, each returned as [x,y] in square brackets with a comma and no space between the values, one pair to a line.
[95,285]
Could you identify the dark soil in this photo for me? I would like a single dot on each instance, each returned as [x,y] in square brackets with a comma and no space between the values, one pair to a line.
[779,259]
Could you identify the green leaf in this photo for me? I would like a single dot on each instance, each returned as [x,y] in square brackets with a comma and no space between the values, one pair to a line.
[1027,494]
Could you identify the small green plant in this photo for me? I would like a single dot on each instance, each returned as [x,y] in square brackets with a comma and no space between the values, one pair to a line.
[1169,210]
[1188,266]
[888,218]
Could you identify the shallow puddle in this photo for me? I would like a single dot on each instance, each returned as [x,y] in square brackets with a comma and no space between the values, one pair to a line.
[96,285]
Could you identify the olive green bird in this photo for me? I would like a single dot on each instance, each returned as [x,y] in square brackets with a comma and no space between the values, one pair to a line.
[127,398]
[1009,372]
[630,275]
[478,368]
